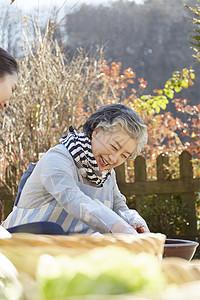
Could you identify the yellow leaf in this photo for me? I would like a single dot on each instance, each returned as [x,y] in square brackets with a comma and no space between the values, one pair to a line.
[160,92]
[185,72]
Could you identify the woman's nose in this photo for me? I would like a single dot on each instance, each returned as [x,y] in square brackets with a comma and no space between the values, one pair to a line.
[114,157]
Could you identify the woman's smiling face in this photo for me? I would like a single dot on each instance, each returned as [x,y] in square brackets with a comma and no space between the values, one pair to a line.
[111,149]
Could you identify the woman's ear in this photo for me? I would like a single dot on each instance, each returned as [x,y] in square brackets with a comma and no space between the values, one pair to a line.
[95,131]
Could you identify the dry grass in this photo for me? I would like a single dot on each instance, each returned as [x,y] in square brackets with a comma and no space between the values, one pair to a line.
[52,94]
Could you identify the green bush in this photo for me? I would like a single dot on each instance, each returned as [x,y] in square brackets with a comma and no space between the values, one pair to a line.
[166,214]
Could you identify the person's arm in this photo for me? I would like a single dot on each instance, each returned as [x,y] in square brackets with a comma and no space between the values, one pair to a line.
[58,177]
[131,216]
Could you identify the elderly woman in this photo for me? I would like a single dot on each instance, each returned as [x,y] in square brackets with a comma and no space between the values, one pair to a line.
[74,183]
[8,77]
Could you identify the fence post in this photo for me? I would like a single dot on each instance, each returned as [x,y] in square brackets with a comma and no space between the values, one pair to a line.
[120,174]
[186,172]
[140,168]
[162,162]
[140,175]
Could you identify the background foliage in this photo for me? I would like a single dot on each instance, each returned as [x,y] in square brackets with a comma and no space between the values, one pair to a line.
[152,38]
[58,88]
[54,92]
[165,214]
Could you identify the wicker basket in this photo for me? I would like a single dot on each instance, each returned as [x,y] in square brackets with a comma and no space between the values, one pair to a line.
[183,277]
[26,247]
[150,242]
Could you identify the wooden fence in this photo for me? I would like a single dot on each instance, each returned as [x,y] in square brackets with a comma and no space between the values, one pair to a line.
[186,186]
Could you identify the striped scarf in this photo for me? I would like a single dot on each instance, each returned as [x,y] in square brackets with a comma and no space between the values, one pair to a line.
[79,146]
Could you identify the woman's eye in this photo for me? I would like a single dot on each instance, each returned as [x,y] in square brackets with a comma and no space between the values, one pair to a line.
[114,147]
[124,156]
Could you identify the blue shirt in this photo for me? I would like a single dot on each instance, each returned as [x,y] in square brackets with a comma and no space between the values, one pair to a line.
[57,192]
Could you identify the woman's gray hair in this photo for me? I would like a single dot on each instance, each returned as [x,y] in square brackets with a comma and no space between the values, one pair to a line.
[110,116]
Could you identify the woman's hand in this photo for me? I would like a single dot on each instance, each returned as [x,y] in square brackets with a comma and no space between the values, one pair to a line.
[133,218]
[123,227]
[140,225]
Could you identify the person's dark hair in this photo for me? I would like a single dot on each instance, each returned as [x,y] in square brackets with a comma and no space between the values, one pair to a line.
[110,116]
[8,64]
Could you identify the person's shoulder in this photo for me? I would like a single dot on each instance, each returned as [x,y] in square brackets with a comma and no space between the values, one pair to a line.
[60,149]
[57,153]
